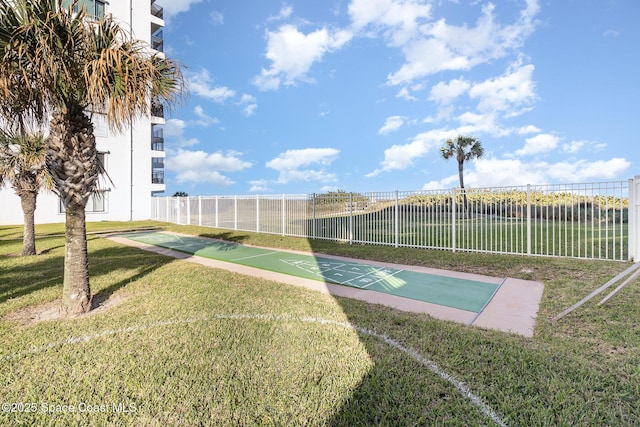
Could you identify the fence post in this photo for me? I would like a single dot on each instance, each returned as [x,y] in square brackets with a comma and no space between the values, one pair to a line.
[216,213]
[178,210]
[168,207]
[633,216]
[257,213]
[284,214]
[313,216]
[396,222]
[350,218]
[188,208]
[235,212]
[454,236]
[528,219]
[200,210]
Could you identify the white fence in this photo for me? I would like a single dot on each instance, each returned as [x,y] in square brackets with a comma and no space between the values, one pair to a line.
[594,220]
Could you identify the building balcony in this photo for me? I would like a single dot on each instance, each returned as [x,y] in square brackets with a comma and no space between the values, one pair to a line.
[157,163]
[157,139]
[157,110]
[157,144]
[156,17]
[157,177]
[157,41]
[156,10]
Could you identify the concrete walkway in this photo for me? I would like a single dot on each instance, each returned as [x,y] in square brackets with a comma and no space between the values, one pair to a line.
[513,308]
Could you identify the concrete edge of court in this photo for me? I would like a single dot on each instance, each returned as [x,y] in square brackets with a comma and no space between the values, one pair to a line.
[513,308]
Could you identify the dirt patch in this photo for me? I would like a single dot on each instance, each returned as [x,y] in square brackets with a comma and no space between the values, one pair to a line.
[53,310]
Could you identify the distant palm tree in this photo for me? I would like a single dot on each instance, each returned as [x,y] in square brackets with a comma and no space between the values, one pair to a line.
[463,148]
[22,165]
[64,65]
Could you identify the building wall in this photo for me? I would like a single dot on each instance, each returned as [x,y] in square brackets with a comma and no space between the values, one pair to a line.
[128,154]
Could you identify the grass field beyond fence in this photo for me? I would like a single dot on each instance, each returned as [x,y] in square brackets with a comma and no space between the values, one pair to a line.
[183,344]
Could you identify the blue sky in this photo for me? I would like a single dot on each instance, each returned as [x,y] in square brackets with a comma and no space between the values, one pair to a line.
[304,96]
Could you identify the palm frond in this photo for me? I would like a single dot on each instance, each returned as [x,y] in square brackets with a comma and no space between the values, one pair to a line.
[22,161]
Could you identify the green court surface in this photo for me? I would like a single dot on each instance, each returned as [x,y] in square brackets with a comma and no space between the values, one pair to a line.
[463,294]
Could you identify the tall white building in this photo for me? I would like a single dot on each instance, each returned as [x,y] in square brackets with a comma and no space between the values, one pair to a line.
[134,159]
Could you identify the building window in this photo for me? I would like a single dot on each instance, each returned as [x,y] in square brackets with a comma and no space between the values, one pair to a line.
[157,163]
[97,202]
[157,41]
[157,177]
[157,170]
[94,8]
[157,138]
[100,127]
[156,10]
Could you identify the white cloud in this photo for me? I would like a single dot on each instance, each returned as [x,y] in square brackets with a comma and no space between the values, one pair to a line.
[474,123]
[513,89]
[201,84]
[493,172]
[444,93]
[442,47]
[285,13]
[391,124]
[405,94]
[292,53]
[202,167]
[444,184]
[583,170]
[324,109]
[573,147]
[248,104]
[400,157]
[173,128]
[397,19]
[172,7]
[217,18]
[292,165]
[528,129]
[541,143]
[204,120]
[259,186]
[425,57]
[173,133]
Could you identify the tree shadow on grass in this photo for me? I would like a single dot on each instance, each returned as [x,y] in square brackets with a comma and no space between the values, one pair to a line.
[21,276]
[399,389]
[108,260]
[190,244]
[226,236]
[25,279]
[9,231]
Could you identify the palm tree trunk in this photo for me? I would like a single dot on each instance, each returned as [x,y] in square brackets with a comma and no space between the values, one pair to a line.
[28,201]
[464,192]
[76,294]
[73,165]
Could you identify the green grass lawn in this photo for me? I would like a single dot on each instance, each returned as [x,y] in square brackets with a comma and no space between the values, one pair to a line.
[187,345]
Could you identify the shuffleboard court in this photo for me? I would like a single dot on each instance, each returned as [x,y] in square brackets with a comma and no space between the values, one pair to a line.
[454,292]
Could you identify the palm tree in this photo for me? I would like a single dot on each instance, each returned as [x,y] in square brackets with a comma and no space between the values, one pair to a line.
[65,65]
[463,148]
[22,164]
